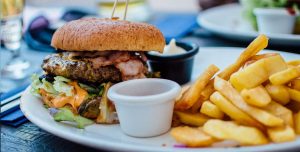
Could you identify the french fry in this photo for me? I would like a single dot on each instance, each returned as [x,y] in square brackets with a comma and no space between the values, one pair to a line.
[285,76]
[279,93]
[192,137]
[294,62]
[248,63]
[250,77]
[294,94]
[275,64]
[255,46]
[233,95]
[204,95]
[258,72]
[183,90]
[297,122]
[257,96]
[258,57]
[193,119]
[280,111]
[262,56]
[281,134]
[195,108]
[192,95]
[209,89]
[233,112]
[295,84]
[211,110]
[228,130]
[176,121]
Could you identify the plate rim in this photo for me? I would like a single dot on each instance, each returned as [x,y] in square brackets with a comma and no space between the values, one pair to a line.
[226,32]
[110,145]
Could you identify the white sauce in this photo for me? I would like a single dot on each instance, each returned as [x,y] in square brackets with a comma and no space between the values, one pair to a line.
[171,49]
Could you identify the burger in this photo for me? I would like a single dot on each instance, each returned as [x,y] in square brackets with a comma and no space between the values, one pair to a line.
[93,54]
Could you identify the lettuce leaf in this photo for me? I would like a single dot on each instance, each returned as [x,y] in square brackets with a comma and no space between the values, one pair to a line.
[48,87]
[62,79]
[35,85]
[44,84]
[65,114]
[61,86]
[82,122]
[58,86]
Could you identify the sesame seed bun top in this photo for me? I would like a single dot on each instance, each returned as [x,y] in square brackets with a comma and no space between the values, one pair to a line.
[93,34]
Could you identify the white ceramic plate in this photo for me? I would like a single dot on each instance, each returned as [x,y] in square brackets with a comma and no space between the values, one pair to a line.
[227,21]
[110,137]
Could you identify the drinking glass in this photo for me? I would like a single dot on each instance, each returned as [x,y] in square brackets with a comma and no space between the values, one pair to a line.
[11,39]
[13,72]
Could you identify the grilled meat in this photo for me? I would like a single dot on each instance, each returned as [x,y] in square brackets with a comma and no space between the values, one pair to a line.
[97,67]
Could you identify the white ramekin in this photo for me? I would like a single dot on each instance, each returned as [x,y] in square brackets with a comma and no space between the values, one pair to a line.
[275,20]
[144,106]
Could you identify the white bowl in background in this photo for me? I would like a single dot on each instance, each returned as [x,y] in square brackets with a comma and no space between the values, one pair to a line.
[275,20]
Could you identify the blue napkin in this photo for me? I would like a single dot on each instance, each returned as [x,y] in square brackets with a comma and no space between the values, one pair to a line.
[13,116]
[13,92]
[17,123]
[9,111]
[176,25]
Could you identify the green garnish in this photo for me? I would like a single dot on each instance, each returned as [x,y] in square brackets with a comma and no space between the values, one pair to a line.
[65,114]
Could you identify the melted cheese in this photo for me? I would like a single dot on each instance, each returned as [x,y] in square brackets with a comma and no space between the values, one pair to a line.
[61,100]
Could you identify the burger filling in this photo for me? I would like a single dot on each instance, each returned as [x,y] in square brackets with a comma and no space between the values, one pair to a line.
[76,83]
[97,67]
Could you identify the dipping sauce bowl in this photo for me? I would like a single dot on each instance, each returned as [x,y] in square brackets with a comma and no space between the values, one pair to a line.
[144,106]
[177,67]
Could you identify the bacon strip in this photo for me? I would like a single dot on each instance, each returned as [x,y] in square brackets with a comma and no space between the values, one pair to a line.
[131,64]
[131,68]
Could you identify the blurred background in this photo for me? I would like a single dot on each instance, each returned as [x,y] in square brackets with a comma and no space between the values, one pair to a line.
[27,27]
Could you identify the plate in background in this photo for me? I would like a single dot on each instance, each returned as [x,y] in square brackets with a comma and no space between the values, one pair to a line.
[110,137]
[227,21]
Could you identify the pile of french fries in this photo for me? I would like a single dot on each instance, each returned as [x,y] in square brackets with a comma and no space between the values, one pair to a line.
[254,101]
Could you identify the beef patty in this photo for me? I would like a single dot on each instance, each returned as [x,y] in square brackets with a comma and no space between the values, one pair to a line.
[57,64]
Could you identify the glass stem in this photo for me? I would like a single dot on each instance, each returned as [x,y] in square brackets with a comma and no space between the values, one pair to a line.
[15,53]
